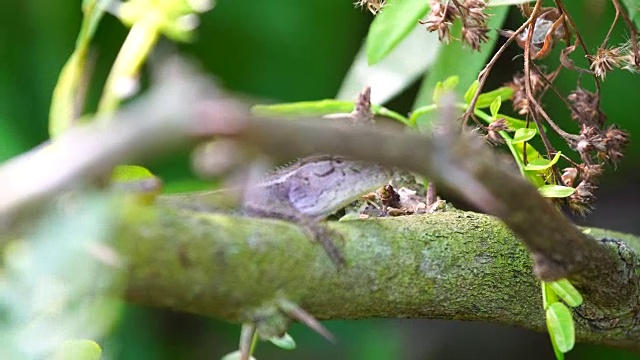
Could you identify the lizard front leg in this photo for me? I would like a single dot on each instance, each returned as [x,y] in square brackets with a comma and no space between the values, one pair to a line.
[314,228]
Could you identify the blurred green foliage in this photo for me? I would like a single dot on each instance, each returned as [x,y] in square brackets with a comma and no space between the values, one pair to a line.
[280,50]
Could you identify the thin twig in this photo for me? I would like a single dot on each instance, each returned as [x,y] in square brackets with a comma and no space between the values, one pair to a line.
[484,74]
[561,7]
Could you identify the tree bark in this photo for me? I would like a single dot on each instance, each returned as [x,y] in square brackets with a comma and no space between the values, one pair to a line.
[449,265]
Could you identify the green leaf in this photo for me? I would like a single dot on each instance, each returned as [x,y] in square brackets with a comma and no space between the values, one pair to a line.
[65,103]
[318,108]
[486,99]
[514,123]
[457,59]
[285,342]
[437,92]
[129,173]
[495,106]
[633,7]
[303,108]
[556,191]
[450,83]
[235,356]
[392,25]
[524,134]
[80,349]
[548,295]
[406,63]
[136,179]
[541,164]
[560,326]
[567,292]
[468,96]
[559,354]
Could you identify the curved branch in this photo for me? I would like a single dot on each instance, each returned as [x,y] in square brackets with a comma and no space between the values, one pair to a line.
[450,265]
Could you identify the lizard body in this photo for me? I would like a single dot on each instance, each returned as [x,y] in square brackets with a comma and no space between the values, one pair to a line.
[305,193]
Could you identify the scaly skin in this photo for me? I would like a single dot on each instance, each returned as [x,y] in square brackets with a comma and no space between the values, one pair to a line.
[305,193]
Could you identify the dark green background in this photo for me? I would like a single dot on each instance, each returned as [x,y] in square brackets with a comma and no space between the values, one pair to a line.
[288,50]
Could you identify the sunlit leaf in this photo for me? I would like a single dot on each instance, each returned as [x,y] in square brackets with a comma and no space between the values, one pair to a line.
[514,124]
[407,62]
[548,295]
[235,356]
[136,181]
[65,102]
[486,99]
[541,164]
[81,349]
[559,354]
[556,191]
[450,83]
[437,92]
[560,326]
[495,106]
[468,96]
[318,108]
[285,342]
[567,292]
[391,25]
[524,134]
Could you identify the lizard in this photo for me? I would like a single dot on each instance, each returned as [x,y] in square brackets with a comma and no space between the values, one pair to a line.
[306,192]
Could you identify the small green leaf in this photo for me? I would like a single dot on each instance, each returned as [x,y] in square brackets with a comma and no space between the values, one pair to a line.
[468,96]
[495,106]
[486,99]
[303,108]
[586,231]
[235,356]
[391,25]
[541,164]
[556,191]
[450,83]
[560,326]
[437,92]
[524,134]
[80,349]
[128,173]
[318,108]
[285,342]
[514,123]
[548,295]
[567,292]
[559,354]
[65,101]
[136,179]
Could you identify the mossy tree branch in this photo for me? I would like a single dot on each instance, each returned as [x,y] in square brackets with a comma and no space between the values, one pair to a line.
[449,265]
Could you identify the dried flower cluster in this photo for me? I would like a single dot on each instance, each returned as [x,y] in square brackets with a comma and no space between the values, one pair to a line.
[519,100]
[471,13]
[607,59]
[372,5]
[596,145]
[493,131]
